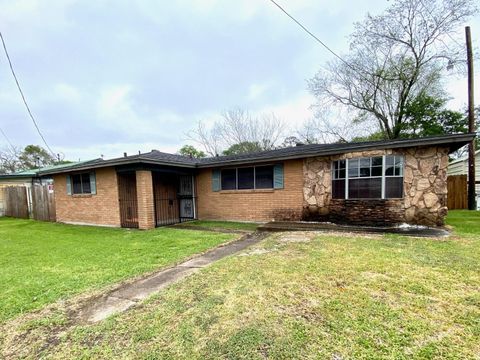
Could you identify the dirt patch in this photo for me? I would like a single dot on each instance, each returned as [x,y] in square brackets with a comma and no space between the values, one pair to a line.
[298,236]
[256,252]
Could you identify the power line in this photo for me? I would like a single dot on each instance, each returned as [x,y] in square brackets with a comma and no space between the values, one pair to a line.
[6,138]
[23,96]
[329,49]
[312,34]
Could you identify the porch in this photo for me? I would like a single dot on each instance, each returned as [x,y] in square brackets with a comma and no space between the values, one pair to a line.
[155,197]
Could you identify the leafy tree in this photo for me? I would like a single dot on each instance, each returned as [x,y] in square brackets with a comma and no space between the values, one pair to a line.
[291,141]
[376,136]
[242,148]
[34,157]
[427,116]
[394,57]
[191,151]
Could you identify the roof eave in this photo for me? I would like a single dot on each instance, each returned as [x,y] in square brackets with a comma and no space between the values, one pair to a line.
[448,140]
[115,162]
[454,142]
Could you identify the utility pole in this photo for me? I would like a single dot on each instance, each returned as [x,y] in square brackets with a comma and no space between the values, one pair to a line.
[471,123]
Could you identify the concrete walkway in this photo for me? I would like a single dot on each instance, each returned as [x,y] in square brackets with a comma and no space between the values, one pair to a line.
[128,295]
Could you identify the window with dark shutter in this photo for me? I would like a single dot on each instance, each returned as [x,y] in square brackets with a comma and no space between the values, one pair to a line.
[82,183]
[229,179]
[253,177]
[264,177]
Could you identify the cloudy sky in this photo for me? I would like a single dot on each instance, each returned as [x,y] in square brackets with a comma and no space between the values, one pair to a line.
[104,77]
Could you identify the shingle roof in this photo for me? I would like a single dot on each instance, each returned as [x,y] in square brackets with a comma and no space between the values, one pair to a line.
[454,141]
[155,157]
[174,158]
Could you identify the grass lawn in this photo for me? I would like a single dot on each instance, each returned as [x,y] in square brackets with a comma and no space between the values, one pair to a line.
[43,262]
[228,225]
[329,297]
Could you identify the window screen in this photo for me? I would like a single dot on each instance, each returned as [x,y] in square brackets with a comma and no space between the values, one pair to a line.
[81,183]
[264,177]
[246,179]
[229,179]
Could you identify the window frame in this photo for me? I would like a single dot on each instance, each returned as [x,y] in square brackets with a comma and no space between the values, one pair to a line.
[254,177]
[335,170]
[81,175]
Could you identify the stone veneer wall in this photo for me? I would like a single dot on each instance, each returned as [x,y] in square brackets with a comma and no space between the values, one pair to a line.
[425,191]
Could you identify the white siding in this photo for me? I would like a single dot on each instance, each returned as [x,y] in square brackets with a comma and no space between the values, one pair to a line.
[460,167]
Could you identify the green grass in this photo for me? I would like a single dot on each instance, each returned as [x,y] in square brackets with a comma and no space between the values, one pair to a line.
[464,222]
[225,225]
[329,297]
[43,262]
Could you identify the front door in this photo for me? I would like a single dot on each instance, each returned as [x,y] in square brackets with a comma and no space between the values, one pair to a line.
[127,198]
[185,194]
[174,201]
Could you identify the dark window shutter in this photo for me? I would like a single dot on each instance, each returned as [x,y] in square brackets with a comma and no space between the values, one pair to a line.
[69,185]
[278,176]
[216,180]
[93,183]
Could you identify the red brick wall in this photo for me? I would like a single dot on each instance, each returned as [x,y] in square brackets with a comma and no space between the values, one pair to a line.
[99,209]
[252,205]
[146,207]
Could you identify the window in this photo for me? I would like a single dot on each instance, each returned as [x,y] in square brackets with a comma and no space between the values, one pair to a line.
[393,177]
[264,177]
[246,178]
[81,183]
[254,177]
[379,177]
[338,182]
[229,179]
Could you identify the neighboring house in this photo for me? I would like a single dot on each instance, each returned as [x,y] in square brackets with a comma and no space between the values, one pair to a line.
[28,178]
[460,167]
[370,183]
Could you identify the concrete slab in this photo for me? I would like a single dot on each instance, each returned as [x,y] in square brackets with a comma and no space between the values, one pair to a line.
[415,231]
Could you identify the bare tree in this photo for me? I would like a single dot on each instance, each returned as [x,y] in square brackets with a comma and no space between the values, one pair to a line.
[330,126]
[10,159]
[208,139]
[238,126]
[394,57]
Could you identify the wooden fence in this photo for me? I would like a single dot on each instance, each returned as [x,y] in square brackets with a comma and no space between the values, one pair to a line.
[42,202]
[16,202]
[457,192]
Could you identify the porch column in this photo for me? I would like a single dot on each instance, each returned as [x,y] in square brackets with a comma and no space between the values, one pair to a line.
[146,206]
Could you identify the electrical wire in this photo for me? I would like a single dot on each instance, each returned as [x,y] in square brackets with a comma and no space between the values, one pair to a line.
[6,138]
[330,50]
[23,96]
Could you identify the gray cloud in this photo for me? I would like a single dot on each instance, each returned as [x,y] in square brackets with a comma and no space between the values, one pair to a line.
[107,76]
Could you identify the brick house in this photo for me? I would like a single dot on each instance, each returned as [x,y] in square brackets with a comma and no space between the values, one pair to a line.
[369,183]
